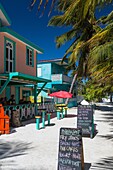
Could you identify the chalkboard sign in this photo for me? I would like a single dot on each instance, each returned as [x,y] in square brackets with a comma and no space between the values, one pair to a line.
[85,118]
[70,155]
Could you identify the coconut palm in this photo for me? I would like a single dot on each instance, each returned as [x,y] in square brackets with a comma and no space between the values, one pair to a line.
[89,39]
[40,3]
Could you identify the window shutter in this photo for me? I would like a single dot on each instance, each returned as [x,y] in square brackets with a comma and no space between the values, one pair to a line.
[32,58]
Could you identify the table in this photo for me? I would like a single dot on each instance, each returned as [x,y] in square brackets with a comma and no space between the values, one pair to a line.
[43,110]
[60,109]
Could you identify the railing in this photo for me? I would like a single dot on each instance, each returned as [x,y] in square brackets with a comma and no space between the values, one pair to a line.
[61,78]
[27,111]
[66,79]
[50,107]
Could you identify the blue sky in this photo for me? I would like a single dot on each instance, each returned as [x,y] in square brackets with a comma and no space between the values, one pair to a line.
[34,28]
[31,26]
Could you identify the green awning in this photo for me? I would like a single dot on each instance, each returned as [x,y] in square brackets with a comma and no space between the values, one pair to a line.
[23,78]
[17,78]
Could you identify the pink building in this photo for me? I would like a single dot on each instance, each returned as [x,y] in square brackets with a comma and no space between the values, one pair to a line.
[18,71]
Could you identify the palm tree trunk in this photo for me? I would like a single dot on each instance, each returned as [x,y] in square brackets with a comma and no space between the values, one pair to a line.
[71,88]
[111,98]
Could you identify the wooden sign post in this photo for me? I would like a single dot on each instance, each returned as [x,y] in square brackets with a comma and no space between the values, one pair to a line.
[85,120]
[70,156]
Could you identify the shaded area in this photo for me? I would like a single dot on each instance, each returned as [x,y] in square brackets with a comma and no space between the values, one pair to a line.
[102,120]
[103,164]
[106,117]
[26,122]
[12,149]
[87,166]
[33,120]
[51,124]
[8,164]
[108,136]
[104,108]
[70,116]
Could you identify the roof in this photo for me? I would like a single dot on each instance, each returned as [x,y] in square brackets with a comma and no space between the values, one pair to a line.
[20,38]
[4,17]
[57,61]
[17,77]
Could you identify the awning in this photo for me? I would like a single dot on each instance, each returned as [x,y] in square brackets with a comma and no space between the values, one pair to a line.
[17,78]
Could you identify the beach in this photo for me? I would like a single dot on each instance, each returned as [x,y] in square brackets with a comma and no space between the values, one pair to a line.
[27,148]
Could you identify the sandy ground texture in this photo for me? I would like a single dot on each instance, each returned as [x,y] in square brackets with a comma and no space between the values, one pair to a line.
[29,149]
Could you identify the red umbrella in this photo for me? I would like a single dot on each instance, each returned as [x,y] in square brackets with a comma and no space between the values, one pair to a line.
[61,94]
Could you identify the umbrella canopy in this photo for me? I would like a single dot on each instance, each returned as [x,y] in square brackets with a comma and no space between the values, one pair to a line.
[61,94]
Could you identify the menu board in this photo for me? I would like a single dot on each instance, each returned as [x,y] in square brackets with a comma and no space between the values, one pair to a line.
[70,155]
[85,118]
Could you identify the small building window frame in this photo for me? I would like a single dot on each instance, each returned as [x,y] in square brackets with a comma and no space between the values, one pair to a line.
[39,71]
[29,56]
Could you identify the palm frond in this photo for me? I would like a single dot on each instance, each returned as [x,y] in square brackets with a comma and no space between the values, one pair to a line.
[52,5]
[33,2]
[60,40]
[106,19]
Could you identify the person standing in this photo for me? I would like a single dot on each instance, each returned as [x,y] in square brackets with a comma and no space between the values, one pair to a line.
[12,100]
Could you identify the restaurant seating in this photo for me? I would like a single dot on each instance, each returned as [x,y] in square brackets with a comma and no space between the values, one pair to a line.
[37,122]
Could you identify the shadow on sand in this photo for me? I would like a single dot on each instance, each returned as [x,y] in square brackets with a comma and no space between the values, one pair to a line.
[107,115]
[12,149]
[103,164]
[108,137]
[87,166]
[70,116]
[104,108]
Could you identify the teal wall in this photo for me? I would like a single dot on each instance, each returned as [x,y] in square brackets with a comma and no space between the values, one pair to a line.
[17,97]
[47,69]
[64,87]
[8,92]
[45,73]
[57,69]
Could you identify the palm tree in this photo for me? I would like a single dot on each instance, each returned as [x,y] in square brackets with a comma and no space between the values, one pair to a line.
[89,39]
[40,3]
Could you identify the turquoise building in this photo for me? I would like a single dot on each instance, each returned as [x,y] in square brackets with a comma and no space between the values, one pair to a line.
[56,72]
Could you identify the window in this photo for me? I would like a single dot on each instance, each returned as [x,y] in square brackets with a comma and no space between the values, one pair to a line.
[39,72]
[29,57]
[9,56]
[26,93]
